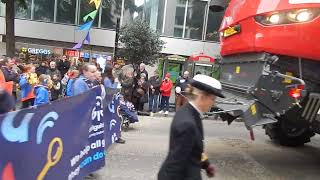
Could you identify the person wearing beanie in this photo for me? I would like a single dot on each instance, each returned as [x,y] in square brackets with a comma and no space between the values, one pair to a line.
[186,156]
[165,90]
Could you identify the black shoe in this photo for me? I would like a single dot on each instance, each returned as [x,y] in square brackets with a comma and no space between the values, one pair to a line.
[91,176]
[120,141]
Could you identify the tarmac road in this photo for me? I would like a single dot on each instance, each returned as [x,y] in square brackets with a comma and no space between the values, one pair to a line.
[229,148]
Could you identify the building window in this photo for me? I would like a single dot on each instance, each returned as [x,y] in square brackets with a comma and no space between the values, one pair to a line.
[189,18]
[86,8]
[154,10]
[44,10]
[66,10]
[22,13]
[133,9]
[195,19]
[111,10]
[2,9]
[214,21]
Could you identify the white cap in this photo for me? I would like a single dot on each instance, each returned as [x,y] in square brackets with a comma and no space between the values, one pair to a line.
[207,84]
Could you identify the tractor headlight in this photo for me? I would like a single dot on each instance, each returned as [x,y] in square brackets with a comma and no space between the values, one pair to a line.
[288,17]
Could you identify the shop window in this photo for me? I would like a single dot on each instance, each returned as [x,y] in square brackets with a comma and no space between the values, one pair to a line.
[214,21]
[21,12]
[195,19]
[86,8]
[66,10]
[111,10]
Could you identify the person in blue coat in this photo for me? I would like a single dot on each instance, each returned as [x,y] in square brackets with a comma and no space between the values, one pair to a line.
[42,91]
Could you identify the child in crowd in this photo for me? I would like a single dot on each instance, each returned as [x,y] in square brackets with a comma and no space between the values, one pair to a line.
[165,90]
[42,90]
[27,82]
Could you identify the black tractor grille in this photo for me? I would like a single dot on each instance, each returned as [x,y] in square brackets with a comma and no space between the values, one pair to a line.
[311,110]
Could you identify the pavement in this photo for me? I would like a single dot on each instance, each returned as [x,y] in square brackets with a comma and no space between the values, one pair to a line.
[229,148]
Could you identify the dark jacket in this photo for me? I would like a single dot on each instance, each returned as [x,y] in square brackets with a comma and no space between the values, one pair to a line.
[10,75]
[56,90]
[142,72]
[6,102]
[182,83]
[127,88]
[63,67]
[51,72]
[186,147]
[41,70]
[155,81]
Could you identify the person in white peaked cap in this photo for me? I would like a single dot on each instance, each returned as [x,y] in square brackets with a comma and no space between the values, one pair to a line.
[186,155]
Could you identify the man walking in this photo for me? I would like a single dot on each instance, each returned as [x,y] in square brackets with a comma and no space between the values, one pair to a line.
[85,81]
[154,91]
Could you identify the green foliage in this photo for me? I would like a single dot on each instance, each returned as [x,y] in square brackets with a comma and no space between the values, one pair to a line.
[140,42]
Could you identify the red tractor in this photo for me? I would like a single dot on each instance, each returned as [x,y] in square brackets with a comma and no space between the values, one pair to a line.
[271,50]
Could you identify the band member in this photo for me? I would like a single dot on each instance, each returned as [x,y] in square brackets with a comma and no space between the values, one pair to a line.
[186,157]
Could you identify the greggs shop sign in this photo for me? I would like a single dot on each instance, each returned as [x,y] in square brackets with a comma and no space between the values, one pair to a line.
[36,51]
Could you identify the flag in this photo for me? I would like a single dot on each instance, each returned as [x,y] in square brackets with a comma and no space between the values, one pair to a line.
[77,46]
[92,15]
[87,37]
[96,2]
[85,26]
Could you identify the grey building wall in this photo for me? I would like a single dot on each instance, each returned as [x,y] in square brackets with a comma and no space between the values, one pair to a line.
[101,37]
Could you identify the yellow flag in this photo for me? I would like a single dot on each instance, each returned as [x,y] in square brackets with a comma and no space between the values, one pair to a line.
[96,2]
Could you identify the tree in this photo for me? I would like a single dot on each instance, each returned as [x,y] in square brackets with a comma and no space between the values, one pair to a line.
[10,38]
[140,43]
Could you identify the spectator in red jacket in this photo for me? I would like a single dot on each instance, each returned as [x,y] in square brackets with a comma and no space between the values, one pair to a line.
[165,90]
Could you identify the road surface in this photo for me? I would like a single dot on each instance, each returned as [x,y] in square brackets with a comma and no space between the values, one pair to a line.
[229,148]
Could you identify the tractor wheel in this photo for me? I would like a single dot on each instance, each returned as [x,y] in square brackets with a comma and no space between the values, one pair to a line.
[286,134]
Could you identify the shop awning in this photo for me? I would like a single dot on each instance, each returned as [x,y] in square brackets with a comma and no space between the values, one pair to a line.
[202,57]
[176,58]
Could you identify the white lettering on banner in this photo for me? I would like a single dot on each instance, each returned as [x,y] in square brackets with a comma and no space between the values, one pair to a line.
[99,143]
[77,158]
[113,122]
[303,1]
[96,128]
[96,134]
[111,107]
[97,112]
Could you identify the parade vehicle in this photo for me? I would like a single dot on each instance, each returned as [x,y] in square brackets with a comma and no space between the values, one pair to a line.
[271,51]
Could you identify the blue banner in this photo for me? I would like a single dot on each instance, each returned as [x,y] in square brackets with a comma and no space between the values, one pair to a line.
[63,140]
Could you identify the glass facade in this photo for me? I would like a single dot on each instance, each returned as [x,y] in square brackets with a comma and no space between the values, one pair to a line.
[214,21]
[86,8]
[195,19]
[2,9]
[44,10]
[189,19]
[21,12]
[110,11]
[66,11]
[154,11]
